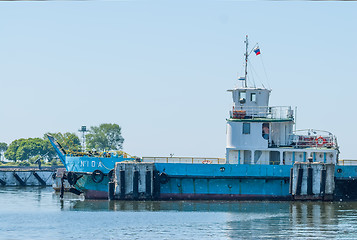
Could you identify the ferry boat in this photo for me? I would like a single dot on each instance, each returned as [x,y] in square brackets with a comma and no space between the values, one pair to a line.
[266,159]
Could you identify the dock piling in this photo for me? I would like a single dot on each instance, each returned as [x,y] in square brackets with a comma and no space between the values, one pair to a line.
[133,181]
[313,181]
[299,181]
[148,177]
[111,186]
[122,183]
[156,185]
[291,181]
[323,182]
[309,181]
[136,185]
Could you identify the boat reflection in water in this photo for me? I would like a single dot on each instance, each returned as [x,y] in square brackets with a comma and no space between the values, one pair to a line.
[261,219]
[79,218]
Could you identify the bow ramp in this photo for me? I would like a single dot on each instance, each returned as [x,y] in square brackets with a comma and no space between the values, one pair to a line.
[58,148]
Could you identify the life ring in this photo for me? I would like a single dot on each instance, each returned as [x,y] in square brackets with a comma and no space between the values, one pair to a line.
[164,178]
[97,176]
[72,178]
[320,141]
[206,161]
[111,175]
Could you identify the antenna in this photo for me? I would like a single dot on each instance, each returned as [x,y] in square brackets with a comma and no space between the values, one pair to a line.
[83,130]
[246,60]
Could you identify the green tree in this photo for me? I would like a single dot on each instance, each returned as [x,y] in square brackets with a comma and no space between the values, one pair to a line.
[3,148]
[105,137]
[11,151]
[23,149]
[69,141]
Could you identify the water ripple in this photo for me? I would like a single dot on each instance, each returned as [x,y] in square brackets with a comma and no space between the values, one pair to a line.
[37,213]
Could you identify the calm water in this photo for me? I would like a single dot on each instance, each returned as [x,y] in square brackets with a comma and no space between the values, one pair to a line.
[37,213]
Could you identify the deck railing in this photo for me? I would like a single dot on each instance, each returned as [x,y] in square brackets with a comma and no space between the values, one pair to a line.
[347,162]
[313,138]
[197,160]
[309,141]
[279,112]
[184,160]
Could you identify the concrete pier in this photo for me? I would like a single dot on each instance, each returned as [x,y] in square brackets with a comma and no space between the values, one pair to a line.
[134,181]
[312,181]
[26,176]
[57,180]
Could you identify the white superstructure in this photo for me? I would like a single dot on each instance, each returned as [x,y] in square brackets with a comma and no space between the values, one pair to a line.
[260,134]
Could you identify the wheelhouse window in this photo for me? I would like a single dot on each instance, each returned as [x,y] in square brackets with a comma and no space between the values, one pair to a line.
[242,95]
[246,128]
[253,97]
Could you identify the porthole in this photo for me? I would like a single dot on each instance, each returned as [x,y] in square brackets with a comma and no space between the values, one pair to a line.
[339,170]
[222,169]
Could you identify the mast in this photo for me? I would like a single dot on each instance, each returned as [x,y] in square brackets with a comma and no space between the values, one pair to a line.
[246,60]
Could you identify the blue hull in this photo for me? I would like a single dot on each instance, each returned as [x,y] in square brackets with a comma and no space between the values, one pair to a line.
[208,181]
[89,164]
[225,182]
[84,166]
[91,189]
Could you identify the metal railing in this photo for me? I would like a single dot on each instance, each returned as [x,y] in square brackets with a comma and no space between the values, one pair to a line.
[313,138]
[184,160]
[308,138]
[347,162]
[278,112]
[105,154]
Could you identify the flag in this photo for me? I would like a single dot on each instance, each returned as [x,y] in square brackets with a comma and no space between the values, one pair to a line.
[241,78]
[257,51]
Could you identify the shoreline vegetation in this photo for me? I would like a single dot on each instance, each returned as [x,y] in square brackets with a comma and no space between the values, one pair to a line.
[27,164]
[38,152]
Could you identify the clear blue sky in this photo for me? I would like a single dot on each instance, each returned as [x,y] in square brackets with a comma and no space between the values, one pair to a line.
[161,69]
